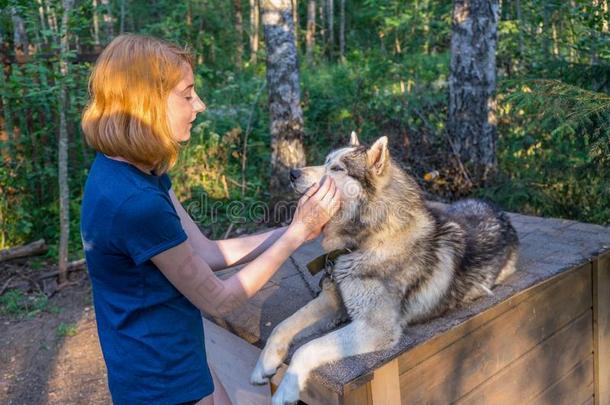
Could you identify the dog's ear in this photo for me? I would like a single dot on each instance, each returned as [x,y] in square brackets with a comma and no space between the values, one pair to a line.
[353,141]
[378,155]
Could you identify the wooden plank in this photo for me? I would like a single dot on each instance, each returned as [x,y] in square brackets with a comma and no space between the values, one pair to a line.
[538,369]
[469,361]
[359,396]
[601,328]
[385,386]
[432,346]
[574,388]
[233,359]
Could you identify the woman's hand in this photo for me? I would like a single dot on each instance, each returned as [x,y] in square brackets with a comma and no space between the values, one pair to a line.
[316,207]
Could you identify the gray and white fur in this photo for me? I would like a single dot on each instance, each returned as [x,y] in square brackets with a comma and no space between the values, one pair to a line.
[409,261]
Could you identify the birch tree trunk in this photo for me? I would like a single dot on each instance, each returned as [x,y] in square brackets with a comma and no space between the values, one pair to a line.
[286,116]
[254,28]
[310,37]
[64,200]
[239,33]
[96,25]
[342,30]
[471,120]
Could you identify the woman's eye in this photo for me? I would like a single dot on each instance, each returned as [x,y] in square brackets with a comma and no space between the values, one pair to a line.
[337,169]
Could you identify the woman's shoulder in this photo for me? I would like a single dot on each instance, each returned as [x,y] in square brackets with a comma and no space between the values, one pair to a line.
[120,180]
[116,189]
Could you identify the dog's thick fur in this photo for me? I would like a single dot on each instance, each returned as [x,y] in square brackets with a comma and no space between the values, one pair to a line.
[408,262]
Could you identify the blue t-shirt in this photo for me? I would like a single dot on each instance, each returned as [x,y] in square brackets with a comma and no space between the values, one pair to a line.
[151,335]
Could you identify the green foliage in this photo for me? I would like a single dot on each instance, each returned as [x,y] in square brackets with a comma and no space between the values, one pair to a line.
[553,142]
[15,303]
[554,153]
[570,111]
[66,329]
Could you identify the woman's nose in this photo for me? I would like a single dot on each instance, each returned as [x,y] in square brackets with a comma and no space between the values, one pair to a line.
[200,106]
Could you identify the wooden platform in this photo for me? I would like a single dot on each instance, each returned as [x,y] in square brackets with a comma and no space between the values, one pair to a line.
[543,337]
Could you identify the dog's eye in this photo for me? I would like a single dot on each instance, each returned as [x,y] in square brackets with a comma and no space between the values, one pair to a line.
[337,169]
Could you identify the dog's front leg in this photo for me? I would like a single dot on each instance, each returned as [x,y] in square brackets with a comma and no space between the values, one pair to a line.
[320,314]
[356,338]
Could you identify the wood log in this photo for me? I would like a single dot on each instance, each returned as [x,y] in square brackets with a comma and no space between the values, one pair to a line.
[32,249]
[40,280]
[72,266]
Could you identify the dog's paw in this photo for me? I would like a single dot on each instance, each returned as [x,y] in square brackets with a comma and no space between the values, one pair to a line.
[267,364]
[288,391]
[259,375]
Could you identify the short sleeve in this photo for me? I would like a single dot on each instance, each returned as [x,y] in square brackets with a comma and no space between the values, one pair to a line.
[146,224]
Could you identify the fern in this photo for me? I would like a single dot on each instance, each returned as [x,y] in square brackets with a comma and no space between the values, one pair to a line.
[567,110]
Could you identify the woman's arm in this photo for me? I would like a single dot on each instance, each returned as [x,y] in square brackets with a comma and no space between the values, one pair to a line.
[229,252]
[192,276]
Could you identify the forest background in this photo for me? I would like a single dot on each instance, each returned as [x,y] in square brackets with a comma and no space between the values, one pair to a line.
[376,67]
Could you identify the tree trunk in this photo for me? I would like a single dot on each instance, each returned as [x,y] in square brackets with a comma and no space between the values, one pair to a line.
[331,25]
[286,116]
[322,14]
[546,24]
[310,38]
[295,20]
[239,33]
[519,22]
[96,25]
[471,120]
[51,18]
[342,31]
[43,25]
[7,115]
[254,20]
[64,200]
[605,22]
[20,36]
[426,27]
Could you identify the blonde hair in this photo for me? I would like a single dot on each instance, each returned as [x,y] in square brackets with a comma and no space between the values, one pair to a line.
[127,112]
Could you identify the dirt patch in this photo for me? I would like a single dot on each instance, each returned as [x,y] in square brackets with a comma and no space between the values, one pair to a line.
[54,356]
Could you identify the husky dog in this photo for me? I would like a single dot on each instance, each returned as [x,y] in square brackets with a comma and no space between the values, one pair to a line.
[404,261]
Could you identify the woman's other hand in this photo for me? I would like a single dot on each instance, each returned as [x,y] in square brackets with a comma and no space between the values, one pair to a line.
[315,208]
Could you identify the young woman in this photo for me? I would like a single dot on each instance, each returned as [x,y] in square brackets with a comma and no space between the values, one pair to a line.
[151,268]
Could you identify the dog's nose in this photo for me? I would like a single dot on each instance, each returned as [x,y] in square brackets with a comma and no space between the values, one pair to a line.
[294,174]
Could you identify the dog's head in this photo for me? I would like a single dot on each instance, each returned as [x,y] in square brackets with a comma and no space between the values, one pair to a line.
[356,170]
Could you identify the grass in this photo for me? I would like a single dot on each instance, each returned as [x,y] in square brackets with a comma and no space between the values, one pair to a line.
[19,305]
[66,329]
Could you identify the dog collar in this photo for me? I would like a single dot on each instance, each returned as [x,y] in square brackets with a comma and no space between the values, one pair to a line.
[325,261]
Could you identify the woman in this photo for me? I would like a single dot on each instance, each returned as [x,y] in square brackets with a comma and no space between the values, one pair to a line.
[151,268]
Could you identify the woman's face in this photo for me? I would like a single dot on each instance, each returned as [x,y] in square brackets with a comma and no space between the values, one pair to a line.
[183,104]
